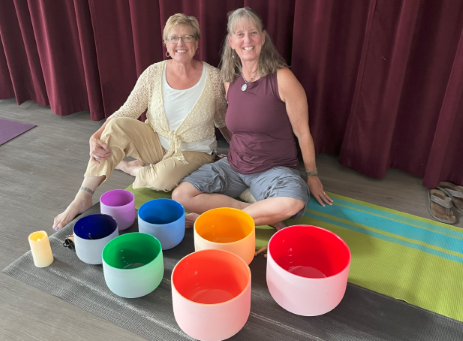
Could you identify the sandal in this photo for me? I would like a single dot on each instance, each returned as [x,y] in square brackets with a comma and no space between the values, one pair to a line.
[440,207]
[454,192]
[69,242]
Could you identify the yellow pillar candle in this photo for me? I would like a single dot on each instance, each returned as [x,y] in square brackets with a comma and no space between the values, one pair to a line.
[41,249]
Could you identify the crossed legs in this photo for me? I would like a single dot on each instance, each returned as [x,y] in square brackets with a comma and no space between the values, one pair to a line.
[129,137]
[271,211]
[124,137]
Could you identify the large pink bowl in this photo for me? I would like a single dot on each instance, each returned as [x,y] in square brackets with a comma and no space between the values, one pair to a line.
[307,269]
[211,294]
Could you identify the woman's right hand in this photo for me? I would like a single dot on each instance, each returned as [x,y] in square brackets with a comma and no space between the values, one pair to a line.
[99,151]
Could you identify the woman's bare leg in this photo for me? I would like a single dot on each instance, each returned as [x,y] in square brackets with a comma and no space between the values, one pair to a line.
[198,202]
[81,202]
[270,211]
[273,211]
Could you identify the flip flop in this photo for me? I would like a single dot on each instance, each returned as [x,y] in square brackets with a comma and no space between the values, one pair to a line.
[440,207]
[454,192]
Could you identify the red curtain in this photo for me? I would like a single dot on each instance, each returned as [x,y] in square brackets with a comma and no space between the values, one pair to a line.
[384,78]
[404,89]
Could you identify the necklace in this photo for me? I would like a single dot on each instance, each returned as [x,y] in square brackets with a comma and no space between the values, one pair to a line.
[245,85]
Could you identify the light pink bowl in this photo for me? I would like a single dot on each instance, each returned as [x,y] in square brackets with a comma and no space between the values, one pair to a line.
[307,269]
[211,294]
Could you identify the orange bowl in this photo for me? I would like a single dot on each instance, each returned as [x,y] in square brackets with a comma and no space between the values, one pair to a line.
[226,229]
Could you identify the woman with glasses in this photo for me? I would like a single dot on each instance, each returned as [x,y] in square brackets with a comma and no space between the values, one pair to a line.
[266,106]
[183,99]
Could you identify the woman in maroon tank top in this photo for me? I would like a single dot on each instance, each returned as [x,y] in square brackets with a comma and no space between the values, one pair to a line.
[266,106]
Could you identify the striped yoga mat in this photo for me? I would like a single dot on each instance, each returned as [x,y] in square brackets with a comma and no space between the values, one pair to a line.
[397,254]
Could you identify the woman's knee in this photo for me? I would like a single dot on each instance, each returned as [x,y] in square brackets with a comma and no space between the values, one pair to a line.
[180,193]
[114,127]
[184,193]
[291,206]
[118,121]
[117,124]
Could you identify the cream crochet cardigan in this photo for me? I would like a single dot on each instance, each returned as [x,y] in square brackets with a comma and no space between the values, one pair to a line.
[198,126]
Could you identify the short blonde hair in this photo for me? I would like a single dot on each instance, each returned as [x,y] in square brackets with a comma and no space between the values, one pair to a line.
[269,60]
[181,19]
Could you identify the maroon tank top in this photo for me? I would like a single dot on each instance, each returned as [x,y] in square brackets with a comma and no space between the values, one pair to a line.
[262,133]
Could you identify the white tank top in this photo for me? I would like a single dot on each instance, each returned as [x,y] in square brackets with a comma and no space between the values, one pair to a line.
[177,106]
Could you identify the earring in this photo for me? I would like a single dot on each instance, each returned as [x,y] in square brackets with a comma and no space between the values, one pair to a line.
[167,54]
[233,55]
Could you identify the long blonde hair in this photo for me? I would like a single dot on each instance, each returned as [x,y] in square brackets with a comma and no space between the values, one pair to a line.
[269,60]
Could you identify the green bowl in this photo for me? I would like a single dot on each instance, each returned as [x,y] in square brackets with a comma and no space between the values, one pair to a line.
[133,264]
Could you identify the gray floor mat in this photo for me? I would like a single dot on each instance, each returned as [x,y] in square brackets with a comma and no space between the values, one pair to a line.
[362,314]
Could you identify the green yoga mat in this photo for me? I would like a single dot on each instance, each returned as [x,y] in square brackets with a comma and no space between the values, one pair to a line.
[396,254]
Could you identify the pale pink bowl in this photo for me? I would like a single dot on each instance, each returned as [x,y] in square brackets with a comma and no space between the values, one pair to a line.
[307,269]
[211,294]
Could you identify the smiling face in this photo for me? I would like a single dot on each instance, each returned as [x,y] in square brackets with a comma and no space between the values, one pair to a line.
[180,51]
[246,40]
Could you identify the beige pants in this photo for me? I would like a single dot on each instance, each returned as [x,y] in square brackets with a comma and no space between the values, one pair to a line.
[129,137]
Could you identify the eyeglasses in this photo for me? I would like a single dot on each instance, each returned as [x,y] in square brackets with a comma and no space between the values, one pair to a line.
[185,39]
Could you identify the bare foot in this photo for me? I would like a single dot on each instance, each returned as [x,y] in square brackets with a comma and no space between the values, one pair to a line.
[190,219]
[278,226]
[75,207]
[260,250]
[130,167]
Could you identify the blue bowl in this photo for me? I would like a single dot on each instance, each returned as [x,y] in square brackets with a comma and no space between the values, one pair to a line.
[163,219]
[95,226]
[91,234]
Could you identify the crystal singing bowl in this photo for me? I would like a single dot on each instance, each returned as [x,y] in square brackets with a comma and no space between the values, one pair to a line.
[211,294]
[120,204]
[307,269]
[227,229]
[91,234]
[133,264]
[163,219]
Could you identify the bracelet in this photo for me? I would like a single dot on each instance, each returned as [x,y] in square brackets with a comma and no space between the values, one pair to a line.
[312,173]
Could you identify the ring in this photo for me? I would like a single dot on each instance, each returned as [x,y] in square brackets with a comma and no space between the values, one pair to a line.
[95,157]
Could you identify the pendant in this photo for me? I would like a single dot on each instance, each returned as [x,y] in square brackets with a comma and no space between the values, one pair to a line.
[244,87]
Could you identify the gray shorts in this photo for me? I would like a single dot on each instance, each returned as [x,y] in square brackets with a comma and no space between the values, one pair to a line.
[220,177]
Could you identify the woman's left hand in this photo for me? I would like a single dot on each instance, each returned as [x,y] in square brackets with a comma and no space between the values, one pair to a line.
[316,188]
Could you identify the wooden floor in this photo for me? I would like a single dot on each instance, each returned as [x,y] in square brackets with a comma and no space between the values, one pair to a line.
[40,172]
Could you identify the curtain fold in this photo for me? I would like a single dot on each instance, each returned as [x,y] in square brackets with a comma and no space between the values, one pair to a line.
[115,53]
[89,60]
[446,155]
[398,100]
[326,55]
[50,55]
[22,62]
[6,86]
[375,115]
[384,79]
